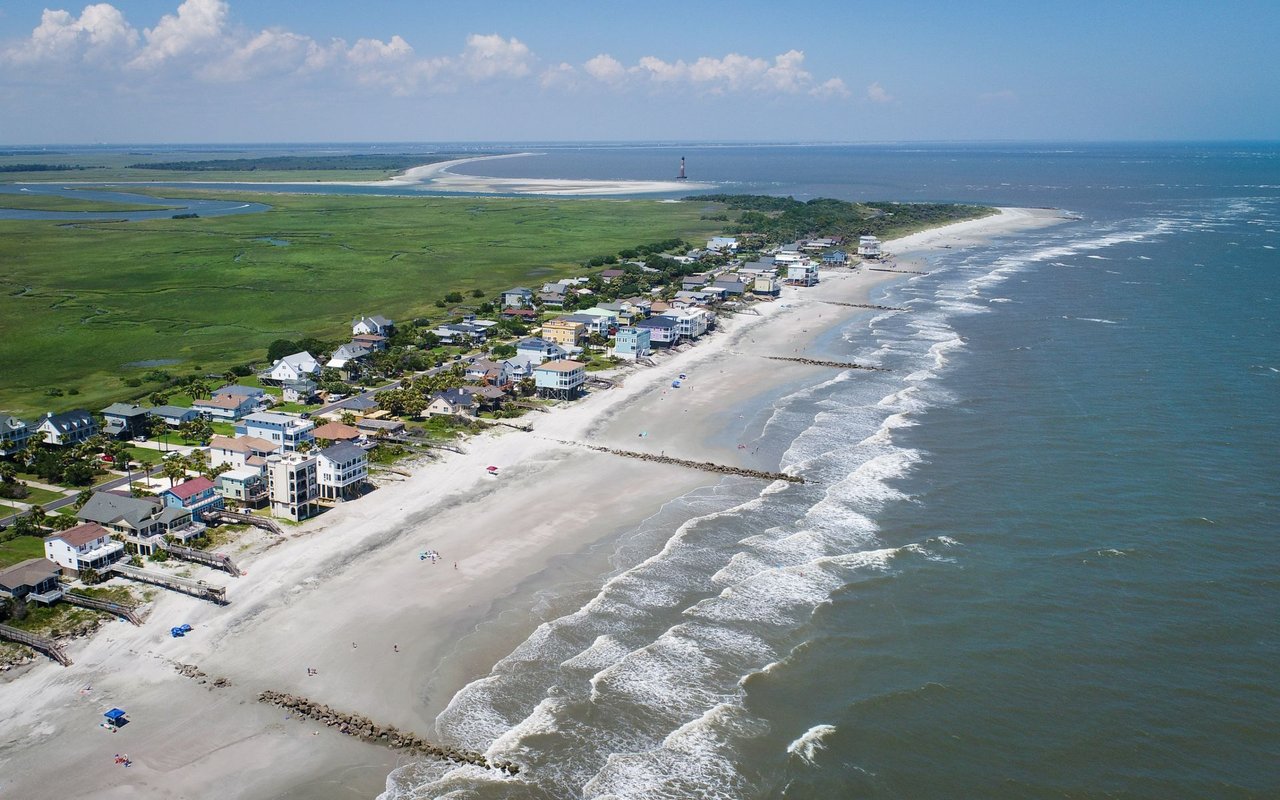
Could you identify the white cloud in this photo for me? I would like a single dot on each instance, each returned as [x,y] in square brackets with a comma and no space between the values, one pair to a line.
[99,32]
[605,68]
[198,26]
[832,87]
[877,94]
[787,73]
[562,75]
[271,52]
[492,56]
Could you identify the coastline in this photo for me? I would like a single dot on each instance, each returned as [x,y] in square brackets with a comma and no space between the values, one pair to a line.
[353,576]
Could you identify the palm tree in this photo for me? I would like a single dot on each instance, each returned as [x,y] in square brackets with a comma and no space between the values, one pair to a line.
[38,515]
[173,468]
[82,498]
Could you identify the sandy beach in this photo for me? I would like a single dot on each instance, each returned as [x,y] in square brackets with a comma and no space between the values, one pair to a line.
[391,636]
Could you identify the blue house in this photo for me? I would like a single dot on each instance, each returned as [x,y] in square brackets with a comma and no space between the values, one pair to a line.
[835,258]
[199,496]
[632,343]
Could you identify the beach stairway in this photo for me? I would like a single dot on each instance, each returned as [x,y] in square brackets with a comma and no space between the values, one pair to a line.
[99,604]
[236,517]
[215,560]
[200,589]
[47,646]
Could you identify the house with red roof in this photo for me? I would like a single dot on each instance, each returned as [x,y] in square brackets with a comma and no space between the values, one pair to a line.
[87,546]
[197,495]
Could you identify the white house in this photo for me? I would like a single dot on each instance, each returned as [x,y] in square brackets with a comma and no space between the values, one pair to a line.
[292,485]
[869,247]
[519,297]
[86,546]
[243,486]
[14,434]
[343,470]
[69,427]
[225,407]
[376,325]
[345,357]
[293,367]
[243,451]
[802,273]
[723,244]
[287,431]
[450,403]
[690,322]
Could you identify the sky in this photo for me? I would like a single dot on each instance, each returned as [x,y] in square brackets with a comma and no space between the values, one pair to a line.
[202,71]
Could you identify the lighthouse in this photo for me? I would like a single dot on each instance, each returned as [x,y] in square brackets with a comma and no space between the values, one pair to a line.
[681,176]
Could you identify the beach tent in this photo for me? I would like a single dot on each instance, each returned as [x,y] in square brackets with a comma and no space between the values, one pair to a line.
[115,716]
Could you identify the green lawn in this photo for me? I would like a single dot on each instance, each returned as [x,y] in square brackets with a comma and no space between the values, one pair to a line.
[144,455]
[223,428]
[293,408]
[41,496]
[208,293]
[19,549]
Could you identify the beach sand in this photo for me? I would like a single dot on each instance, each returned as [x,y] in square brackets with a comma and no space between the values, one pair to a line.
[343,593]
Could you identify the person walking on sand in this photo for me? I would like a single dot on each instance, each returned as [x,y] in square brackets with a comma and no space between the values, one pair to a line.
[455,565]
[395,647]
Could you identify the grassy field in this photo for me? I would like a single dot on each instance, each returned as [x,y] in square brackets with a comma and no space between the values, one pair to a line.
[20,548]
[38,496]
[44,202]
[79,302]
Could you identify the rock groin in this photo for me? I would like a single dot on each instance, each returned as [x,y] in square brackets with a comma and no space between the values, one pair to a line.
[389,736]
[813,362]
[872,306]
[705,466]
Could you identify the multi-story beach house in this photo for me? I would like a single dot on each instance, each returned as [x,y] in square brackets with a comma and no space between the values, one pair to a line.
[377,325]
[662,330]
[537,350]
[140,520]
[243,486]
[560,380]
[241,451]
[85,546]
[198,496]
[67,428]
[605,320]
[802,273]
[124,420]
[343,471]
[292,367]
[564,332]
[632,343]
[293,485]
[225,407]
[519,297]
[691,322]
[14,434]
[287,431]
[869,247]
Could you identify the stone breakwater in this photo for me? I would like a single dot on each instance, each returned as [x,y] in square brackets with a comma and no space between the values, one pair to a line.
[813,362]
[872,306]
[389,736]
[705,466]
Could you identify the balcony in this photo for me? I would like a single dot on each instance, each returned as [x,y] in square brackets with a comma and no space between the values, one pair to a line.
[48,598]
[188,532]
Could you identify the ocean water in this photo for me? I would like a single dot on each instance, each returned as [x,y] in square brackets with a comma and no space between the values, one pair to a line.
[1038,558]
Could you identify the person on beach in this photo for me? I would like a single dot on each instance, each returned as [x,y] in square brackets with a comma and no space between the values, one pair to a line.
[395,647]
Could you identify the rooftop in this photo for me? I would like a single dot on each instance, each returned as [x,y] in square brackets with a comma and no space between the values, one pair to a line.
[80,535]
[563,365]
[189,489]
[28,573]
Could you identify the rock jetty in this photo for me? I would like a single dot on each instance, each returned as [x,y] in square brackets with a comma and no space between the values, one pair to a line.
[813,362]
[899,271]
[872,306]
[705,466]
[389,736]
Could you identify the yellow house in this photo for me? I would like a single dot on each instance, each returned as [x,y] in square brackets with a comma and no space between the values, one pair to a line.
[564,332]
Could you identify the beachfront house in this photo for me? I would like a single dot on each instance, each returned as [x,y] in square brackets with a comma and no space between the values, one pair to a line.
[835,258]
[519,297]
[293,485]
[605,320]
[802,273]
[560,380]
[662,330]
[287,431]
[492,373]
[243,487]
[14,434]
[377,325]
[225,407]
[141,521]
[632,343]
[730,286]
[34,579]
[336,432]
[291,368]
[343,471]
[124,420]
[450,403]
[564,331]
[173,416]
[691,322]
[766,285]
[197,496]
[869,247]
[381,427]
[86,546]
[67,428]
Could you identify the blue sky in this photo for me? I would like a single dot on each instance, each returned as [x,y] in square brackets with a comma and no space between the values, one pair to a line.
[411,70]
